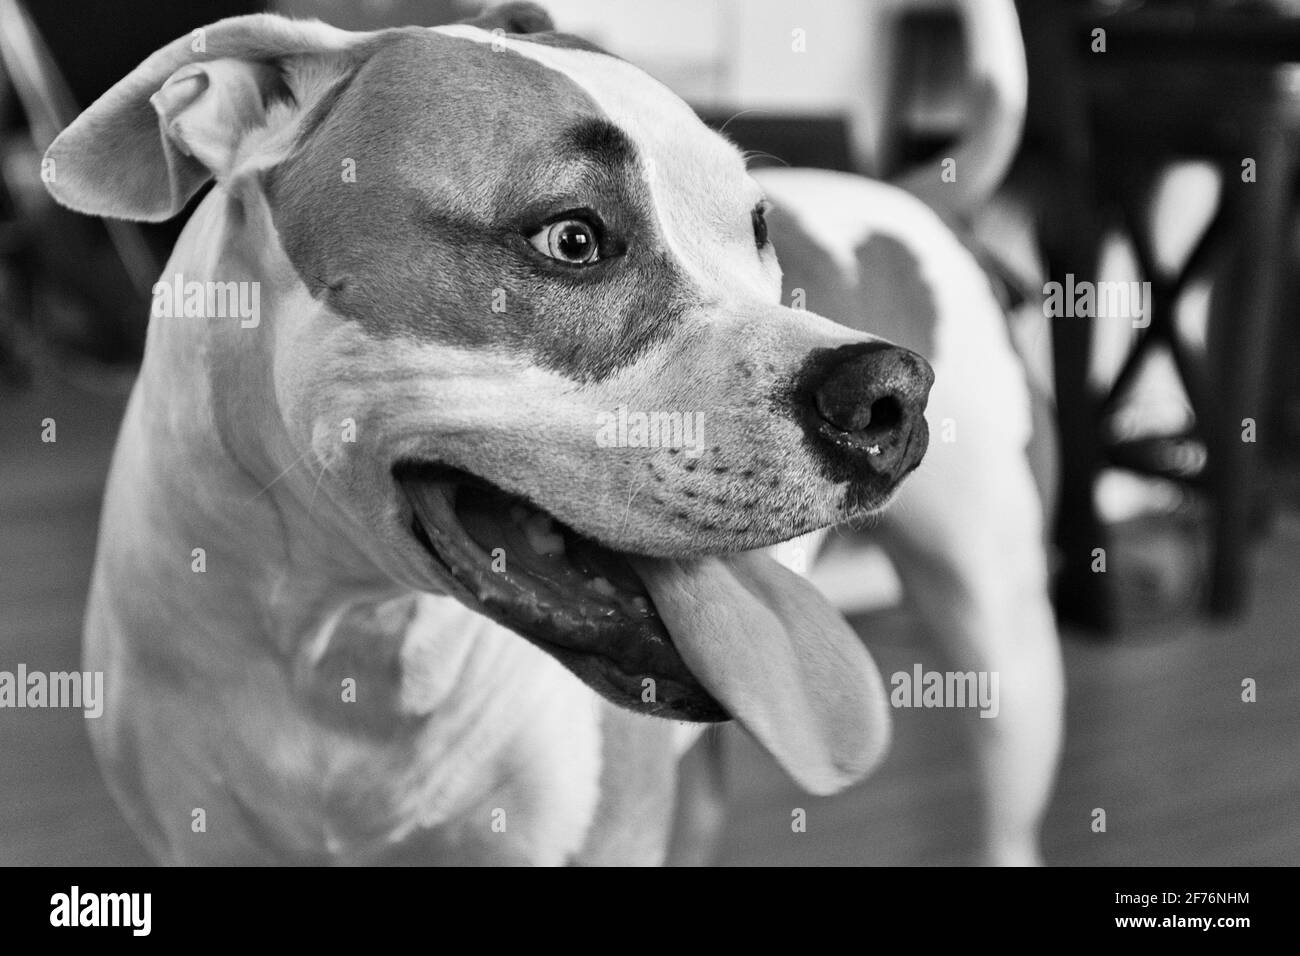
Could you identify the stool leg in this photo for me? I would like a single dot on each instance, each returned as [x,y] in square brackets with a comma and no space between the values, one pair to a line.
[1082,596]
[1242,320]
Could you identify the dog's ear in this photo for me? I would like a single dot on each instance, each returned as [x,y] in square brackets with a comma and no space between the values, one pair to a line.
[514,18]
[203,106]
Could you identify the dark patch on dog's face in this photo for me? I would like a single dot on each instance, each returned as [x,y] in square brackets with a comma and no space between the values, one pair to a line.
[602,142]
[890,298]
[430,241]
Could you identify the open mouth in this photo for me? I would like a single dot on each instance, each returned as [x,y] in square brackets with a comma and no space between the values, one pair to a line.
[583,603]
[691,638]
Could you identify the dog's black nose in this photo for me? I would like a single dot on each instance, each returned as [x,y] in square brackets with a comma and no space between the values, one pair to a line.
[867,407]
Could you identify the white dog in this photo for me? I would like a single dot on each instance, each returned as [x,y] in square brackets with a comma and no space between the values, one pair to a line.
[403,555]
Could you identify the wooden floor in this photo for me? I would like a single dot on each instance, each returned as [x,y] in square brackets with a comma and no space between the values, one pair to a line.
[1157,732]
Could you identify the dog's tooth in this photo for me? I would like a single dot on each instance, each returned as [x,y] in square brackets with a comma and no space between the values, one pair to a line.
[603,586]
[641,604]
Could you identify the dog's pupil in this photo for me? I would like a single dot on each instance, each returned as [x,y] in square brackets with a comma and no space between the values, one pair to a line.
[760,228]
[575,241]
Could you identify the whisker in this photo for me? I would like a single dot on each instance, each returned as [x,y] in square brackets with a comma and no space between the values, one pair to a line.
[761,154]
[293,464]
[752,109]
[632,493]
[315,488]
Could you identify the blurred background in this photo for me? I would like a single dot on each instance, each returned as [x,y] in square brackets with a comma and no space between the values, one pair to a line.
[1154,141]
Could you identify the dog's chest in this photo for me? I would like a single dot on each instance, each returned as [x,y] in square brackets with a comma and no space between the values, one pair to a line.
[449,735]
[492,752]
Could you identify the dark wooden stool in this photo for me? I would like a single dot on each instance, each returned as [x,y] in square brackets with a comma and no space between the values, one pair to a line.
[1173,86]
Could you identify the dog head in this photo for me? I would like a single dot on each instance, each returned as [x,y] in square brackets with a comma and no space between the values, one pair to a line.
[527,345]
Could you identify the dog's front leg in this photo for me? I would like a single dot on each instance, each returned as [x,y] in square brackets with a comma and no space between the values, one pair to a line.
[700,813]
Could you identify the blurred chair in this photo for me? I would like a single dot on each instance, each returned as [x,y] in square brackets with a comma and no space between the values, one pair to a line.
[1176,81]
[49,254]
[75,291]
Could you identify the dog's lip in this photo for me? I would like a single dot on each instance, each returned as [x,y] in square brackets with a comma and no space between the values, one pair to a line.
[613,639]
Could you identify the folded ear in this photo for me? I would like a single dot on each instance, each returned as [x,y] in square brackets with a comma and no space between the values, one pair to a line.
[205,105]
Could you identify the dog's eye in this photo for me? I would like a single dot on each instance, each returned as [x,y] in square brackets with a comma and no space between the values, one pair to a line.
[574,241]
[759,216]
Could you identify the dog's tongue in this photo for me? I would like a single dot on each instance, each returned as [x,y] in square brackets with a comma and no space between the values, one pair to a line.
[780,658]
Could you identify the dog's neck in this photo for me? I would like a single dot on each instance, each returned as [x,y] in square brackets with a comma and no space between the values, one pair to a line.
[206,404]
[277,559]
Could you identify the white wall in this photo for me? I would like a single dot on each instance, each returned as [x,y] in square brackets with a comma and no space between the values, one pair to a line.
[740,54]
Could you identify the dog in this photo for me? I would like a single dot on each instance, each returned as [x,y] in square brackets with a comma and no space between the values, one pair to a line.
[377,581]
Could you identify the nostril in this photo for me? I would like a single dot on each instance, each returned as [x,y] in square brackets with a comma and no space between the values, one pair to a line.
[854,409]
[886,414]
[864,416]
